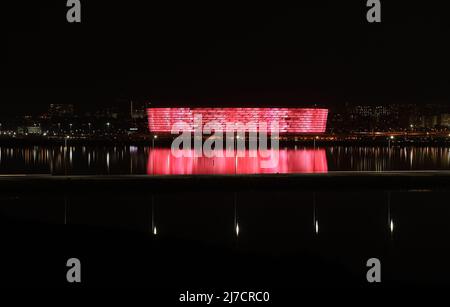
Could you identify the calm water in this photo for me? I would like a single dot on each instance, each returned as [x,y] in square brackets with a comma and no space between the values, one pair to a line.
[232,239]
[160,161]
[259,239]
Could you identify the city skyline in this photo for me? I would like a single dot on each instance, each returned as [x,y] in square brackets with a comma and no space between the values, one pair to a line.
[126,117]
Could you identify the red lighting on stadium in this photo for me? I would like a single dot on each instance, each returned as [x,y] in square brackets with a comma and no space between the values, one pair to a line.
[290,120]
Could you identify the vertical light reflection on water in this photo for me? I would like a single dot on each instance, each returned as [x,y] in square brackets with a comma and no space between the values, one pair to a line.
[107,161]
[315,218]
[153,221]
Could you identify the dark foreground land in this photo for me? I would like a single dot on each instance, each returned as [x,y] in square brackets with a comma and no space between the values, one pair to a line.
[108,222]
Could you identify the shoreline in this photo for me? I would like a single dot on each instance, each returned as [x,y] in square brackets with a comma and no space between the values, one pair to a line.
[335,180]
[307,141]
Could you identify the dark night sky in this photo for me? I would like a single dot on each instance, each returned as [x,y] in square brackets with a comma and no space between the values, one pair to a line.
[224,53]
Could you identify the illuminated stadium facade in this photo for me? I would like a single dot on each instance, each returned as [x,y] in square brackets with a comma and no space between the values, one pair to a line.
[290,120]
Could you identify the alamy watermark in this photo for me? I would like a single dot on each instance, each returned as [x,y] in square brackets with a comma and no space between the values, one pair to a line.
[73,274]
[374,13]
[74,12]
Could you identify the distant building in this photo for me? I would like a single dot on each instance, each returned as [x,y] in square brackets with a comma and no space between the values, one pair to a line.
[137,111]
[61,110]
[374,117]
[445,120]
[430,116]
[108,112]
[36,130]
[434,121]
[374,111]
[363,111]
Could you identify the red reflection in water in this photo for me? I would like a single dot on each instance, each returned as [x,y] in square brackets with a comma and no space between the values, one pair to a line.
[162,162]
